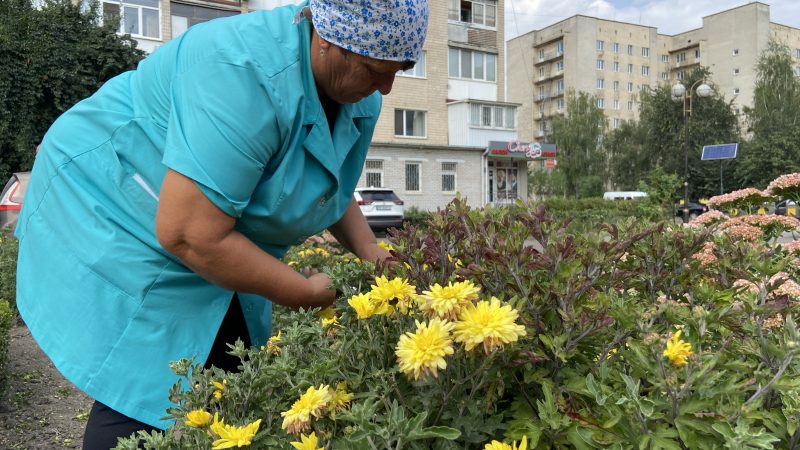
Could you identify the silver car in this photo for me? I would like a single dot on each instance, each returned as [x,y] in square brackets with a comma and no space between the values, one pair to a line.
[382,207]
[11,200]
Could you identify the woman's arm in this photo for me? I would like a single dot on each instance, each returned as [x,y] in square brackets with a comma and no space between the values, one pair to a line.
[354,233]
[191,227]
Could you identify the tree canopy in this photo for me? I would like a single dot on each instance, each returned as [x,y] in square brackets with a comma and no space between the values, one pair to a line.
[53,56]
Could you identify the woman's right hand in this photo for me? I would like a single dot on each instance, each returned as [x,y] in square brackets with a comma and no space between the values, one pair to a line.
[323,295]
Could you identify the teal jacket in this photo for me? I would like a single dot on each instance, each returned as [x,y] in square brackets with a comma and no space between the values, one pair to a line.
[231,104]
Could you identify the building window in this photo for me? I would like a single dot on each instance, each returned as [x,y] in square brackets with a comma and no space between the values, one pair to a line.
[559,87]
[617,123]
[541,55]
[373,171]
[797,53]
[697,54]
[616,104]
[681,57]
[630,106]
[797,71]
[418,71]
[493,116]
[472,65]
[560,104]
[616,66]
[601,103]
[560,66]
[736,52]
[480,12]
[449,176]
[616,47]
[645,71]
[630,68]
[136,17]
[736,71]
[680,75]
[541,92]
[646,52]
[601,64]
[560,48]
[541,72]
[600,83]
[665,58]
[735,91]
[630,49]
[630,86]
[541,107]
[409,123]
[616,85]
[412,176]
[665,76]
[600,45]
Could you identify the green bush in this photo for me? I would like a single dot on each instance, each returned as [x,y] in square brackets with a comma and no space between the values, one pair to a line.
[9,248]
[415,216]
[642,335]
[6,321]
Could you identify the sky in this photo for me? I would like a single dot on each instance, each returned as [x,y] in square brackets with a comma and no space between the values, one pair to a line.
[669,16]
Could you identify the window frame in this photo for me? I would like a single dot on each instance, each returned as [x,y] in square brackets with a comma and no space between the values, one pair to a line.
[373,171]
[406,165]
[485,64]
[405,123]
[449,172]
[411,73]
[139,17]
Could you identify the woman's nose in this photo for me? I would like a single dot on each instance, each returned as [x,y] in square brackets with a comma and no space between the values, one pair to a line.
[384,84]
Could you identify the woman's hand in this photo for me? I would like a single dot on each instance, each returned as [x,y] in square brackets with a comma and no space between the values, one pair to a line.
[323,296]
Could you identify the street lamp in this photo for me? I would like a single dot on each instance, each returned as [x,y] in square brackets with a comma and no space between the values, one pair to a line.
[680,93]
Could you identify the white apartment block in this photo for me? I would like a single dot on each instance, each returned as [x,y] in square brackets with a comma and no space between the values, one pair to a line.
[616,60]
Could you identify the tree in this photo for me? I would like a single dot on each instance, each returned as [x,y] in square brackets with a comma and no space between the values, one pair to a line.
[773,121]
[53,57]
[657,140]
[578,136]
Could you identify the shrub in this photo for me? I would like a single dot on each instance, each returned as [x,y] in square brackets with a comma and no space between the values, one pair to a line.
[623,336]
[6,321]
[415,216]
[8,268]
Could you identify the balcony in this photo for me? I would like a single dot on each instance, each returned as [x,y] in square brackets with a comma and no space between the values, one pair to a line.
[549,56]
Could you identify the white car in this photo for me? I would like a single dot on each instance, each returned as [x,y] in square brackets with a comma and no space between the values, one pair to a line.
[382,207]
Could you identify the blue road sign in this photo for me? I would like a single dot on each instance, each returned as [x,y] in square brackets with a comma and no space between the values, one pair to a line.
[720,151]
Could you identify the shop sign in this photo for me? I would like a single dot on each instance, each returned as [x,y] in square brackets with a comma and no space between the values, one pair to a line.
[517,149]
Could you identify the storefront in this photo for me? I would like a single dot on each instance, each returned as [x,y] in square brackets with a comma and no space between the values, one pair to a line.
[507,169]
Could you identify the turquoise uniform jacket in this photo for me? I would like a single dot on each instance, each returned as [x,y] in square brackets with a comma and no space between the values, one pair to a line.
[231,104]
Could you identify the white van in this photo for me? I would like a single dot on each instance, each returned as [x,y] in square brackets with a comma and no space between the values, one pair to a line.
[624,195]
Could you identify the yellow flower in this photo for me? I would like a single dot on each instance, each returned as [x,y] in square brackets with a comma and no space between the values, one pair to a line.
[386,246]
[313,403]
[231,435]
[198,418]
[363,305]
[340,399]
[489,323]
[448,301]
[322,251]
[678,351]
[219,392]
[388,294]
[458,261]
[306,442]
[272,344]
[497,445]
[424,350]
[328,316]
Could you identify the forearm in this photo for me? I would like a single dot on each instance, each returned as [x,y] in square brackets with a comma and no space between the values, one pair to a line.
[354,233]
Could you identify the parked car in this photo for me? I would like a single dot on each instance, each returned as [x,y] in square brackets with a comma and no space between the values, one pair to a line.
[382,207]
[695,209]
[623,195]
[11,199]
[782,208]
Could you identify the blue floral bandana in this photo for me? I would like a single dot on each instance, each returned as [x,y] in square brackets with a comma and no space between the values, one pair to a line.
[391,30]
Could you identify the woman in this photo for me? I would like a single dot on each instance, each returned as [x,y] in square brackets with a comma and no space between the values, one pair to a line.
[159,207]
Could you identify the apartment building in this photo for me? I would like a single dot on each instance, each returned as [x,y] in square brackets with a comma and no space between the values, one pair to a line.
[445,128]
[616,60]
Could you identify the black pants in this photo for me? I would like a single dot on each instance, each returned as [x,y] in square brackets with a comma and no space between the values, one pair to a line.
[106,425]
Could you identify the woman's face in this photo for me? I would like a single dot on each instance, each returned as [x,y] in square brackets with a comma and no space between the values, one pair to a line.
[346,77]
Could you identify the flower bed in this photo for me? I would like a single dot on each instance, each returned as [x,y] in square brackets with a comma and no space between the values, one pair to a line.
[639,336]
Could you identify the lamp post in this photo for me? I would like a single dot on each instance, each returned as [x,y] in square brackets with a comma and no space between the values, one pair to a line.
[681,94]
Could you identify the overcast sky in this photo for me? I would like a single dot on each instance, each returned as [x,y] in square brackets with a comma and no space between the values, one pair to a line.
[669,16]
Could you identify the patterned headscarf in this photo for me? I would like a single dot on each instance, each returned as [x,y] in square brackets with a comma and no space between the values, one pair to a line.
[392,30]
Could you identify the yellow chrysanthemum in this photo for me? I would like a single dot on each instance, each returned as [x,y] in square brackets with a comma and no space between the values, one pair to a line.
[313,403]
[231,435]
[678,351]
[219,390]
[306,442]
[497,445]
[446,302]
[363,305]
[388,295]
[322,251]
[458,263]
[424,350]
[328,316]
[272,344]
[489,323]
[198,418]
[340,398]
[385,245]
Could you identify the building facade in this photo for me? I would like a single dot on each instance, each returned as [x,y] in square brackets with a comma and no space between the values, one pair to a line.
[616,60]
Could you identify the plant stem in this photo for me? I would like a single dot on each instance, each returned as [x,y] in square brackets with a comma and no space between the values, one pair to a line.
[765,389]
